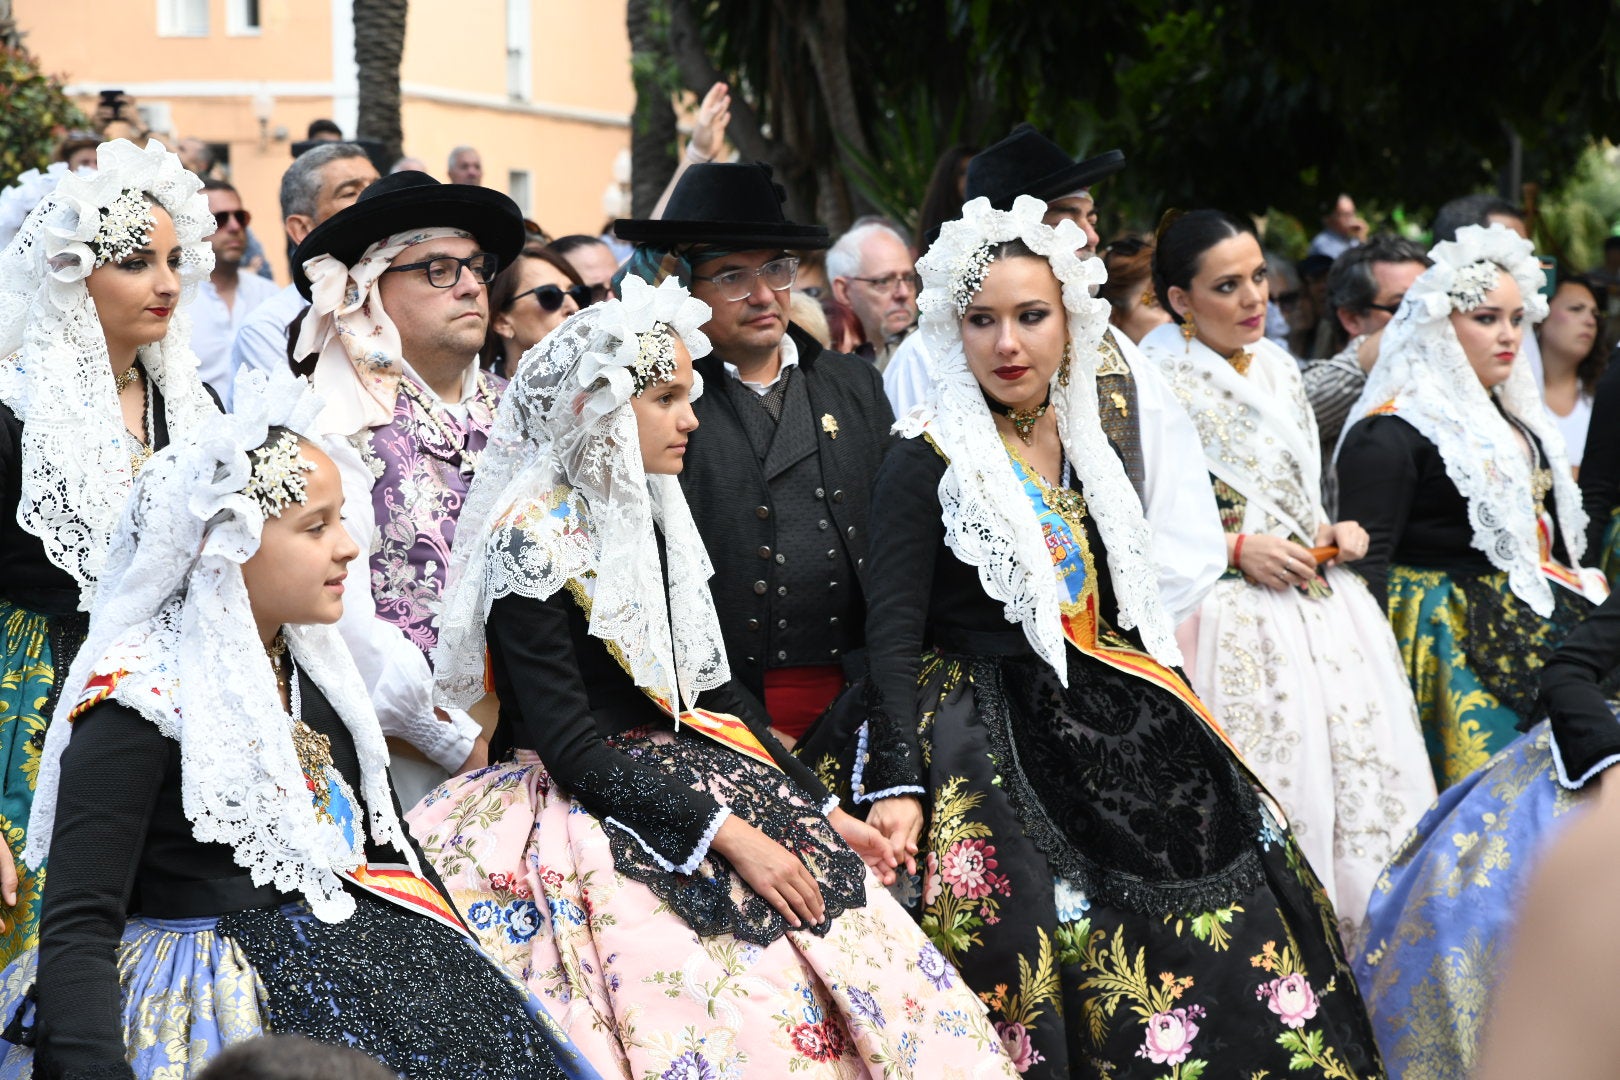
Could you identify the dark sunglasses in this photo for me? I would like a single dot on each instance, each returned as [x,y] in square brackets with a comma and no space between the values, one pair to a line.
[1391,308]
[223,218]
[550,297]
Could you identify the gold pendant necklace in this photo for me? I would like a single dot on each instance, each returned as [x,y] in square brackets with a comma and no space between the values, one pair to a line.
[1023,420]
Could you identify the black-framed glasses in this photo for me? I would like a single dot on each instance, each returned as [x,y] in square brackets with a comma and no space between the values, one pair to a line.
[887,282]
[1391,308]
[778,274]
[444,271]
[242,218]
[550,297]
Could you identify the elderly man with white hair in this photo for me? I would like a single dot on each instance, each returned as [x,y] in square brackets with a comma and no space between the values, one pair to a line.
[466,167]
[871,268]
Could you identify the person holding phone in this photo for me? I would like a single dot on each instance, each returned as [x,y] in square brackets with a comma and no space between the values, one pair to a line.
[1293,654]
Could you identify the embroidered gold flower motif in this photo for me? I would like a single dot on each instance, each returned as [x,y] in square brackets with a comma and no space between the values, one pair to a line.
[829,424]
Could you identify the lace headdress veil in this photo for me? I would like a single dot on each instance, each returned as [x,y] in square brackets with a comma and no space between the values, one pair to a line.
[561,494]
[989,522]
[54,371]
[1424,376]
[173,615]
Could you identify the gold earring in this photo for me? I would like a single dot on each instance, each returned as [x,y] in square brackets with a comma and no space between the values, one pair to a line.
[1063,365]
[1189,328]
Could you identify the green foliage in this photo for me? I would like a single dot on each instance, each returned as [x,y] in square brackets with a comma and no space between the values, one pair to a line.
[34,114]
[1573,222]
[1240,104]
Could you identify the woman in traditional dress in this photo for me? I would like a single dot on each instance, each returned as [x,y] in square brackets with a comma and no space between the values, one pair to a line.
[1296,660]
[97,374]
[675,884]
[1447,910]
[1460,477]
[1095,858]
[226,854]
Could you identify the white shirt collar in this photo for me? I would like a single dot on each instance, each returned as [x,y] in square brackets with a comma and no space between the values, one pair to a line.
[789,353]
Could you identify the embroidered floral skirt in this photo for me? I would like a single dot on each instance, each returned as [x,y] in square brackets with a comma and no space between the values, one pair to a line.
[1313,692]
[1104,874]
[1473,653]
[1437,931]
[28,671]
[607,940]
[392,984]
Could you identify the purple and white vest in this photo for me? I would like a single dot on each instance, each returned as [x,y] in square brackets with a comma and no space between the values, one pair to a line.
[424,461]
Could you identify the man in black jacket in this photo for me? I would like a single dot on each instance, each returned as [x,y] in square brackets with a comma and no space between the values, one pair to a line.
[779,472]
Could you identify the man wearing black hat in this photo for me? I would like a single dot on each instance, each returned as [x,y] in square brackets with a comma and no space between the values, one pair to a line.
[1143,421]
[779,471]
[399,306]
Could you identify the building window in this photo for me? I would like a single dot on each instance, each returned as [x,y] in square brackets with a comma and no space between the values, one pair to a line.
[183,18]
[517,186]
[242,18]
[519,51]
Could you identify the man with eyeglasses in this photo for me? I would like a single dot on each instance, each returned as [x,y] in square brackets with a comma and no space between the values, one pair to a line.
[398,285]
[1143,421]
[1364,290]
[779,471]
[872,270]
[225,300]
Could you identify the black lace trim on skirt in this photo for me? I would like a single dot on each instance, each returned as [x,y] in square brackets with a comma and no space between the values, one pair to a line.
[714,899]
[1240,872]
[398,986]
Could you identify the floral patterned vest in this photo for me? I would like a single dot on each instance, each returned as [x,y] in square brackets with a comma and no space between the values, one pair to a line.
[424,462]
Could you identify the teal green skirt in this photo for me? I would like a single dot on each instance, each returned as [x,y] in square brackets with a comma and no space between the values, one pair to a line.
[1473,652]
[27,675]
[1608,560]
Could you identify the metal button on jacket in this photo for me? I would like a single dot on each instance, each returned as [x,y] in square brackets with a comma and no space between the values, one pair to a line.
[781,590]
[781,624]
[759,588]
[832,553]
[762,512]
[753,624]
[780,559]
[822,524]
[764,552]
[781,654]
[821,493]
[832,621]
[838,496]
[850,532]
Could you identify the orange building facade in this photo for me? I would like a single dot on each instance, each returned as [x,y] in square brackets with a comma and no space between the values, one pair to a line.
[541,88]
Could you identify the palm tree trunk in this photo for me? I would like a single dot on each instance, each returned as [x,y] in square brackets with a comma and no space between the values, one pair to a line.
[379,42]
[653,129]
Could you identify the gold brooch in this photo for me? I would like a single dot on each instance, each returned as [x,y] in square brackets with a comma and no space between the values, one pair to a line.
[829,424]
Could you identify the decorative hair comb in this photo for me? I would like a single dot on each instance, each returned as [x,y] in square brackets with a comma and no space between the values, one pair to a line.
[655,358]
[967,276]
[277,479]
[126,224]
[1472,282]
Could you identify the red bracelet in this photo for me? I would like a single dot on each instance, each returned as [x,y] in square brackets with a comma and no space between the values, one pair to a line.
[1237,552]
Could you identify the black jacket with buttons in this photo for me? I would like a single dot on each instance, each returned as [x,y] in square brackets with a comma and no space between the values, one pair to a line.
[782,507]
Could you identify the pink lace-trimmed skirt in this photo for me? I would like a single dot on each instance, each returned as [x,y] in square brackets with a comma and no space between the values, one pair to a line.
[632,983]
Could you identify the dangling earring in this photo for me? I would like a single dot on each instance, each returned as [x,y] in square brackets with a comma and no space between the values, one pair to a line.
[1189,329]
[1063,365]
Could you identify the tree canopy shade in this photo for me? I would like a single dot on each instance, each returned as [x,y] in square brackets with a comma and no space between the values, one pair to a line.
[1241,104]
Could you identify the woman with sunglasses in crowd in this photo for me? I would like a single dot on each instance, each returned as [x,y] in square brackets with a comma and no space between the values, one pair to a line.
[527,301]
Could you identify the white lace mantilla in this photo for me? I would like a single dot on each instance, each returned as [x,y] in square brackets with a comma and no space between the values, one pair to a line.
[173,615]
[561,495]
[1258,429]
[988,520]
[1423,376]
[57,377]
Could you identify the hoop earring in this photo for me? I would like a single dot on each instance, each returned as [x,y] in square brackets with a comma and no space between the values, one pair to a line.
[1189,328]
[1063,365]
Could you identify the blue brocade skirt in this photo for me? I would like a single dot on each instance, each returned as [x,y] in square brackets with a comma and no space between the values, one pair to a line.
[1438,927]
[412,993]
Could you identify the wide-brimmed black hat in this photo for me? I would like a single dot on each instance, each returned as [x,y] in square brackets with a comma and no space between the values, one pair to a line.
[413,200]
[731,206]
[1028,163]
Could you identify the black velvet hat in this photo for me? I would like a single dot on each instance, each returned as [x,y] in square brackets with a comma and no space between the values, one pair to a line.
[413,200]
[1028,163]
[733,206]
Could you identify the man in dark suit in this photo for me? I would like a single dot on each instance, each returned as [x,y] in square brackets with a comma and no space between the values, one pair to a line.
[779,472]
